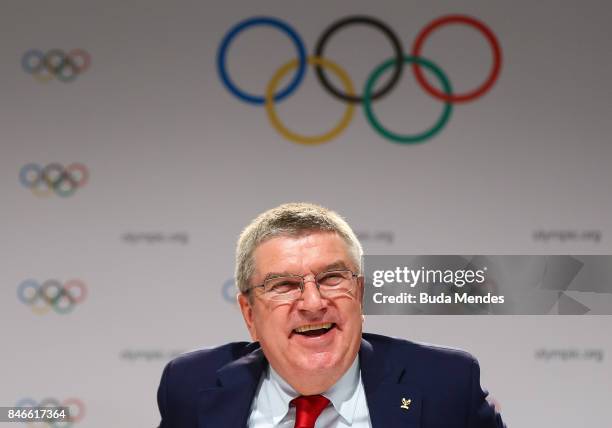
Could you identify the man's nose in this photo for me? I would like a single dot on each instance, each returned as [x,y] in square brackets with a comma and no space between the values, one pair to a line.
[311,297]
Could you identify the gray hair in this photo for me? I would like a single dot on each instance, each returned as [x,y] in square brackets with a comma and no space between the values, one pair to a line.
[293,219]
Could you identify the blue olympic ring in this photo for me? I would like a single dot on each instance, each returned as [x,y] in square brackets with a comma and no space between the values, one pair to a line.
[253,22]
[25,172]
[26,402]
[26,61]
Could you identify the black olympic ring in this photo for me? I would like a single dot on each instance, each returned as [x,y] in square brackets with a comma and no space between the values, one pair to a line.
[56,61]
[356,20]
[55,176]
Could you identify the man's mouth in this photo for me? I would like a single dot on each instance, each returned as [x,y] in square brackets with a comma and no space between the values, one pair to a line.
[313,330]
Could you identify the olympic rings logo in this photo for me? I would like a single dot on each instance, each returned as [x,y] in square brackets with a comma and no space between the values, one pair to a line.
[228,291]
[347,94]
[55,63]
[76,410]
[53,178]
[62,298]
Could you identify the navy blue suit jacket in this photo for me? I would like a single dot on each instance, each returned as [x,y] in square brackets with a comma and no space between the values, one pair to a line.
[214,388]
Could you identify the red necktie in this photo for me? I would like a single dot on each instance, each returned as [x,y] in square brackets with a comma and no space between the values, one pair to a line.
[307,409]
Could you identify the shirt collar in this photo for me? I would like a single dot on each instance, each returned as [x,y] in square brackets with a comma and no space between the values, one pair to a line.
[280,394]
[343,394]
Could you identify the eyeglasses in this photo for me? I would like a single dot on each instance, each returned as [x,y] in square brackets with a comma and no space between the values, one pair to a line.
[288,288]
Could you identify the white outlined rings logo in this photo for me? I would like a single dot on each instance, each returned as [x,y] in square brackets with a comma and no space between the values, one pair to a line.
[62,298]
[53,178]
[56,63]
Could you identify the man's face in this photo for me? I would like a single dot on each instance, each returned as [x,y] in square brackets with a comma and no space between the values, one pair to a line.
[320,352]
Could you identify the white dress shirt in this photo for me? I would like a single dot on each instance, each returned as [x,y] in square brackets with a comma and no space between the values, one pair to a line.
[270,408]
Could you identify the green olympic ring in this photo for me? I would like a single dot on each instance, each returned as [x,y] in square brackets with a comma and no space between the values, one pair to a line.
[404,138]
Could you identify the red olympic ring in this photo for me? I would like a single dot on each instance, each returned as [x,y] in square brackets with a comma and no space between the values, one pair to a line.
[457,19]
[79,167]
[75,283]
[70,402]
[84,56]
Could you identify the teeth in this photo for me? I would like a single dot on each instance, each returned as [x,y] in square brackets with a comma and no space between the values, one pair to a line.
[309,327]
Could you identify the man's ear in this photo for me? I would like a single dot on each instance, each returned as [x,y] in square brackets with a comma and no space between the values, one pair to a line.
[360,294]
[361,288]
[247,313]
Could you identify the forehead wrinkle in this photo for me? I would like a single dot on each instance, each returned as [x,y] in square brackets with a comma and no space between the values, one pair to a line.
[296,251]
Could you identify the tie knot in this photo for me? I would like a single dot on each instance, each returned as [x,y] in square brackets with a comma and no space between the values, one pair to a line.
[307,409]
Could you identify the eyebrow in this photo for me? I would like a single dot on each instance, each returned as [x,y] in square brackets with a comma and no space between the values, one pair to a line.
[337,265]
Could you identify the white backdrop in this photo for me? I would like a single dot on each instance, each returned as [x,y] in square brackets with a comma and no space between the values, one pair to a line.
[178,165]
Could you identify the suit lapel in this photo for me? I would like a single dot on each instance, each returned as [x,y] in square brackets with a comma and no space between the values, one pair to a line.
[228,404]
[392,401]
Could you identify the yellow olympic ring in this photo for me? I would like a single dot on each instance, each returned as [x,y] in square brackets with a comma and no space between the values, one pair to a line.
[41,191]
[39,308]
[43,77]
[304,139]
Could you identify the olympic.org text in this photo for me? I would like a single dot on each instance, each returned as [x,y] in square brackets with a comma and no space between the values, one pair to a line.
[570,354]
[147,355]
[155,238]
[567,235]
[414,277]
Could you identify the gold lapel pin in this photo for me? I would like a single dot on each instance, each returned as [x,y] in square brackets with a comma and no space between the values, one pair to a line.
[406,403]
